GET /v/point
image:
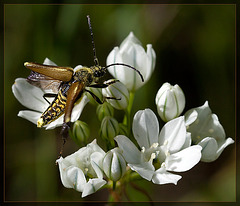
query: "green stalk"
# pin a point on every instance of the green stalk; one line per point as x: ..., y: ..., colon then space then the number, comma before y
x: 127, y: 120
x: 114, y: 185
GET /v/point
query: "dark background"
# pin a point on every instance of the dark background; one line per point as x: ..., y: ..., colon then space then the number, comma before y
x: 195, y: 48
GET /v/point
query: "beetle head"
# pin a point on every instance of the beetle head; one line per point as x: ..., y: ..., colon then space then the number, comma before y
x: 98, y: 71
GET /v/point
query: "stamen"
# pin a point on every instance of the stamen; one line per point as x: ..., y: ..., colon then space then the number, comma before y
x: 154, y: 145
x: 163, y: 165
x: 153, y: 156
x: 165, y: 143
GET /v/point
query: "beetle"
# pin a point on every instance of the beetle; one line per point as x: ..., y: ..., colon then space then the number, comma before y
x: 68, y: 85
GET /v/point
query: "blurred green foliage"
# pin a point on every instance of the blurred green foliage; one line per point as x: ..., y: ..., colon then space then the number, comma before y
x: 195, y: 47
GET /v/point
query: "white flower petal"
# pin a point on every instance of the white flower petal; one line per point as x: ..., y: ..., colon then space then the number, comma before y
x: 30, y: 115
x: 78, y: 108
x: 29, y: 95
x: 92, y: 186
x: 71, y: 176
x: 49, y: 62
x: 188, y: 141
x: 183, y: 160
x: 94, y: 147
x: 76, y: 178
x: 206, y: 125
x: 174, y: 134
x: 190, y: 117
x: 130, y: 152
x: 145, y: 128
x: 161, y: 176
x: 211, y: 150
x: 144, y: 169
x: 96, y: 162
x: 151, y: 61
x: 224, y: 144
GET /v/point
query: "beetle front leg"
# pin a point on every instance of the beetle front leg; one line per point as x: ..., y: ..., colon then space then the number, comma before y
x: 98, y: 100
x: 103, y: 85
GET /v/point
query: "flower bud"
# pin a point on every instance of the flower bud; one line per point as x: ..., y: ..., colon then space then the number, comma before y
x: 123, y: 130
x: 114, y: 165
x: 170, y: 101
x: 132, y: 53
x: 109, y: 129
x: 104, y: 110
x: 80, y: 132
x: 119, y: 91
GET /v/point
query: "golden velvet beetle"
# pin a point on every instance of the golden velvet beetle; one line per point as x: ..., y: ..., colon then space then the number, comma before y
x: 69, y: 85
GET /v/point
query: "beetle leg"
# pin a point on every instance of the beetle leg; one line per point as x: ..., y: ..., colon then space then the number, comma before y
x: 98, y: 100
x: 103, y: 85
x: 49, y: 95
x: 94, y: 97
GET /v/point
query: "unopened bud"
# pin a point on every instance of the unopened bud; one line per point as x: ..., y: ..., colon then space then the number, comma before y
x: 104, y: 110
x: 80, y: 132
x: 170, y: 101
x: 109, y: 129
x: 114, y: 165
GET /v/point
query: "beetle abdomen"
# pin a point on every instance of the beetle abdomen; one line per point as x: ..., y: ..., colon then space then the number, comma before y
x: 56, y: 108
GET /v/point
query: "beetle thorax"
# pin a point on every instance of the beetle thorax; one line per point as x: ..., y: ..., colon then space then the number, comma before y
x: 84, y: 75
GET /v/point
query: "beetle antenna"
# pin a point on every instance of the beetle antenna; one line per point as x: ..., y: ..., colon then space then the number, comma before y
x: 93, y: 44
x: 126, y: 66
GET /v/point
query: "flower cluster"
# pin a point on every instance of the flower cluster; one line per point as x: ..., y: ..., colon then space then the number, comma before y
x: 142, y: 148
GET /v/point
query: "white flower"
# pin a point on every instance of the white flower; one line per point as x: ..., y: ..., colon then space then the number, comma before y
x: 207, y: 132
x: 119, y: 91
x: 114, y: 165
x: 161, y: 153
x: 132, y: 53
x: 32, y: 97
x: 82, y: 170
x: 170, y: 101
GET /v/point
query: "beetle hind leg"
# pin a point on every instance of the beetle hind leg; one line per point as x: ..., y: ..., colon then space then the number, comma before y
x: 47, y: 95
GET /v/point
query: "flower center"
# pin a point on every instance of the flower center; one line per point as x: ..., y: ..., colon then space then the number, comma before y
x: 155, y: 154
x: 150, y: 153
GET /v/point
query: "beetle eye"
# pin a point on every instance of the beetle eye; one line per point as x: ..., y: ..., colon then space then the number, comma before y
x: 96, y: 74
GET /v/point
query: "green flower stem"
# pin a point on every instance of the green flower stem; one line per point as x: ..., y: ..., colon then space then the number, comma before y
x: 114, y: 185
x: 127, y: 120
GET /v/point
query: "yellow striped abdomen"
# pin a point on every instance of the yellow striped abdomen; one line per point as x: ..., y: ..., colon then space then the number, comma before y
x: 55, y: 109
